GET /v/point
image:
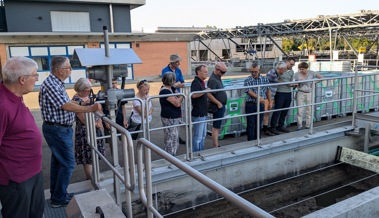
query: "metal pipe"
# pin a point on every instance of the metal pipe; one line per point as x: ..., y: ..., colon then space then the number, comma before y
x: 211, y: 184
x: 111, y: 17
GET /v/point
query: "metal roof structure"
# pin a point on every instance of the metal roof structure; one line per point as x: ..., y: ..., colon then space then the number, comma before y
x: 364, y: 23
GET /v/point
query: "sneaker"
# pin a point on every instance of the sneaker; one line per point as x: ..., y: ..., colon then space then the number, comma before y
x: 283, y: 129
x: 59, y: 204
x: 274, y: 131
x: 268, y: 133
x: 181, y: 141
x: 70, y: 196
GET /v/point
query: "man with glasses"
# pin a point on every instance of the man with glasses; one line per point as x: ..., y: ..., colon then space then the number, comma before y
x: 252, y: 101
x: 58, y: 114
x: 217, y: 100
x: 283, y: 94
x: 173, y: 66
x: 21, y: 179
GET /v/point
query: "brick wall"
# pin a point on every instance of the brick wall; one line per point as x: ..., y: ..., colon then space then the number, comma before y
x: 3, y: 55
x: 156, y: 55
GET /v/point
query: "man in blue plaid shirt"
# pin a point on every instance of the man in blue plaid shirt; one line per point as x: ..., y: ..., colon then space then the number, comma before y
x: 252, y: 100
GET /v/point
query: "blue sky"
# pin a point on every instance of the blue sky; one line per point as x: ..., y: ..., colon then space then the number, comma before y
x: 228, y: 14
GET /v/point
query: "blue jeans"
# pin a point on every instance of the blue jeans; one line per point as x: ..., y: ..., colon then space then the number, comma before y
x: 282, y: 100
x: 62, y: 161
x: 199, y: 133
x: 251, y: 120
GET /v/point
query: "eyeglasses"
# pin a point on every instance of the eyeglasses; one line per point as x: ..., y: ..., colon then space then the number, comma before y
x: 35, y: 75
x: 65, y: 68
x: 223, y: 72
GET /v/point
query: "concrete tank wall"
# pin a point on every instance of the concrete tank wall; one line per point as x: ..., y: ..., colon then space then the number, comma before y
x: 245, y: 166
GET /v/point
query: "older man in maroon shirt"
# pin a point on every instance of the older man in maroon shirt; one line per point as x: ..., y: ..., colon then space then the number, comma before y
x: 21, y: 182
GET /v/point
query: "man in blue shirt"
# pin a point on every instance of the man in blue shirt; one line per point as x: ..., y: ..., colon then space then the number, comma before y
x: 173, y: 66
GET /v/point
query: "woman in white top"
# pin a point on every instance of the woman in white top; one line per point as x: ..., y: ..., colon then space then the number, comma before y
x: 303, y: 95
x: 135, y: 119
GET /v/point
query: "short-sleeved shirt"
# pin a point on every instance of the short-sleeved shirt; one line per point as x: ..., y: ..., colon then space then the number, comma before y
x: 178, y: 74
x: 215, y: 82
x: 251, y: 81
x: 136, y: 117
x: 52, y: 96
x: 168, y: 110
x: 200, y: 104
x: 305, y: 87
x: 20, y: 140
x: 285, y: 77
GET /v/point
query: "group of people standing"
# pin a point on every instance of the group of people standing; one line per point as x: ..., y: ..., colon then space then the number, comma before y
x: 202, y: 103
x: 277, y: 97
x: 21, y: 181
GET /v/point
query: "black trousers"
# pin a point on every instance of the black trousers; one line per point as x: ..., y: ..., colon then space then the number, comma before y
x: 23, y: 200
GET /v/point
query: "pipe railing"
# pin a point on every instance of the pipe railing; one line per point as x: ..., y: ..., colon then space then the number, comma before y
x: 128, y: 179
x: 311, y: 104
x: 127, y: 143
x: 146, y: 196
x: 356, y: 90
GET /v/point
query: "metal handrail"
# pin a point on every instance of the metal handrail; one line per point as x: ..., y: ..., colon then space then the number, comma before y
x: 187, y: 104
x: 129, y: 179
x: 148, y: 129
x: 355, y: 91
x: 146, y: 197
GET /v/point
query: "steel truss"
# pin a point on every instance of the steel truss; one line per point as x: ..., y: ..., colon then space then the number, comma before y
x: 365, y: 23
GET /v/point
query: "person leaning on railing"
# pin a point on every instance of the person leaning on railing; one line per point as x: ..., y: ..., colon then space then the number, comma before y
x: 170, y: 113
x: 135, y: 119
x: 303, y: 95
x: 58, y: 114
x: 83, y: 153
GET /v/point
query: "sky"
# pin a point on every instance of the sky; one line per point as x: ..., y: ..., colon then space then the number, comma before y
x: 229, y: 14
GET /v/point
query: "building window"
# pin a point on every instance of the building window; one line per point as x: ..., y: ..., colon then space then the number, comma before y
x: 43, y: 54
x: 62, y: 21
x: 240, y: 48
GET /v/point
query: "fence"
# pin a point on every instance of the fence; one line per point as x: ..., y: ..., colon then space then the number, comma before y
x: 334, y: 95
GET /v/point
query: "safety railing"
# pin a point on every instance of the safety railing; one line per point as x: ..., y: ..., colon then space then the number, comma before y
x: 146, y: 196
x: 356, y: 90
x: 149, y: 129
x: 188, y: 105
x: 128, y: 179
x: 127, y: 143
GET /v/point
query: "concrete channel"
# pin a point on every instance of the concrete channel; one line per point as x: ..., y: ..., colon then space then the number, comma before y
x: 284, y: 177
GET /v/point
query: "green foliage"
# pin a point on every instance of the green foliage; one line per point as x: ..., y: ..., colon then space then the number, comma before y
x: 323, y: 44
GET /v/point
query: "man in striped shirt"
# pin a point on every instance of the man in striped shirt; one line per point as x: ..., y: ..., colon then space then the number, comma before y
x: 58, y: 114
x: 253, y: 100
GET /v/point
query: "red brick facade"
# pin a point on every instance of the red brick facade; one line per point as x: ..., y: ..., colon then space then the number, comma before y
x: 156, y: 55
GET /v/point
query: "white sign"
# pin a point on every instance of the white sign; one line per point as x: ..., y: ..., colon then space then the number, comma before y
x: 360, y: 58
x: 335, y: 55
